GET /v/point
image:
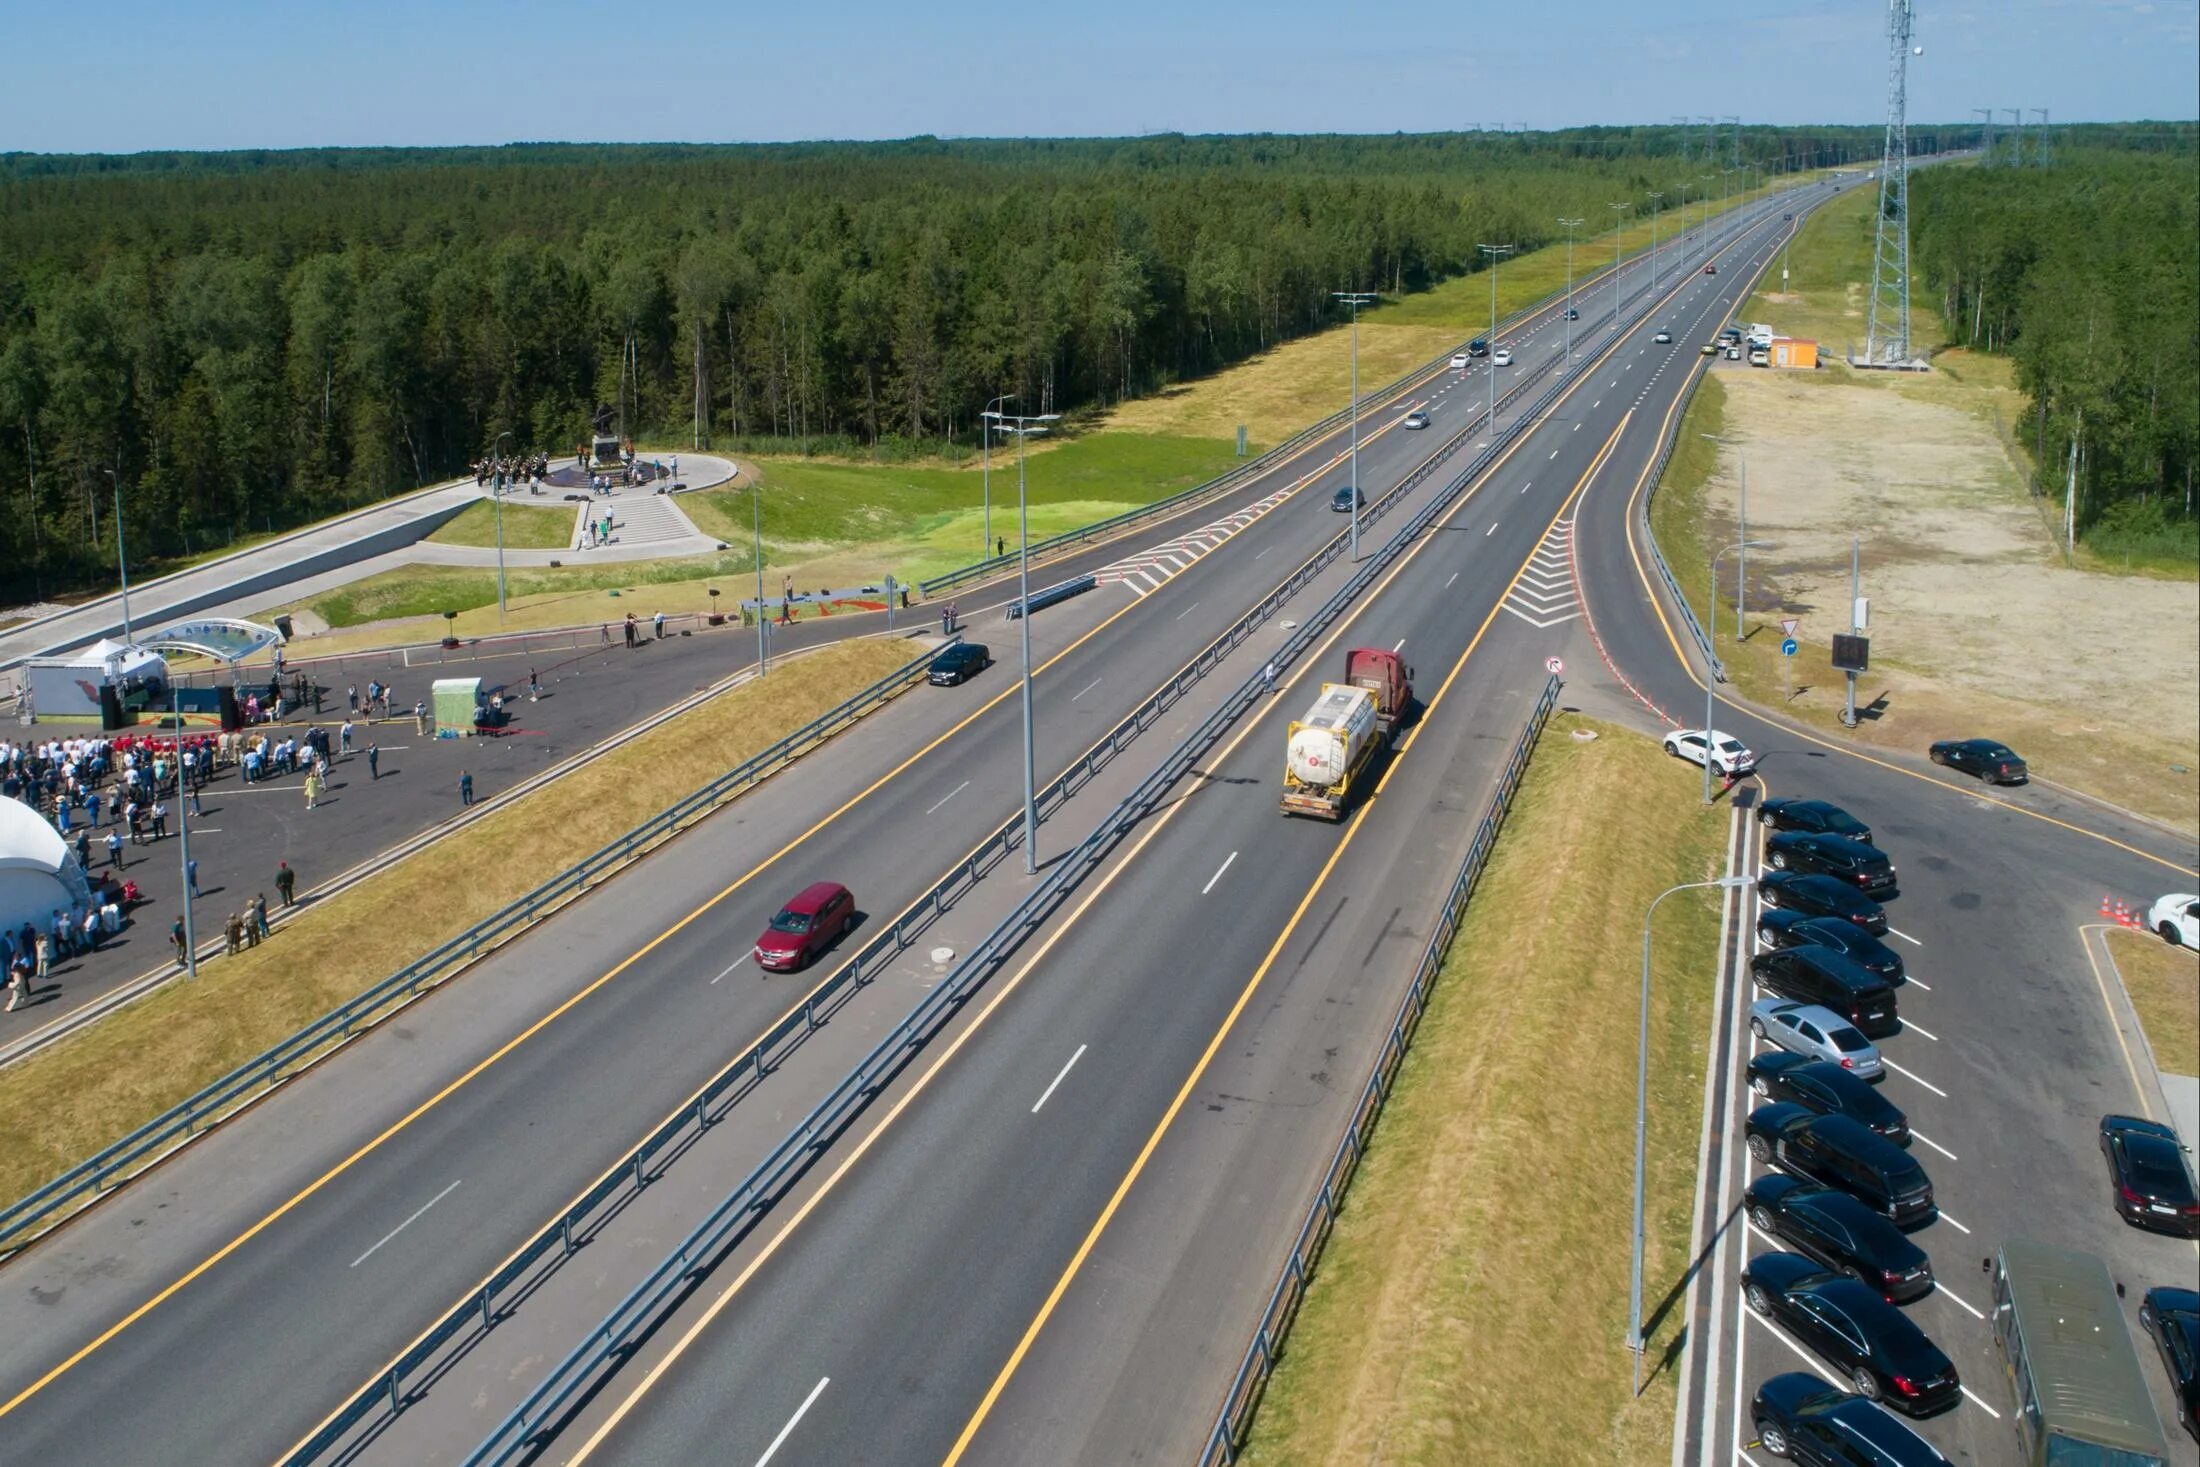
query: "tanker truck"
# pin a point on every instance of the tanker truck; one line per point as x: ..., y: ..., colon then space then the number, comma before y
x: 1329, y: 752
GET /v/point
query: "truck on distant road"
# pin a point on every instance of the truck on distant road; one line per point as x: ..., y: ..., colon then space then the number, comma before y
x: 1328, y: 753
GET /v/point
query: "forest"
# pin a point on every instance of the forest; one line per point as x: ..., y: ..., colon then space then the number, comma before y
x: 243, y: 342
x: 2086, y: 272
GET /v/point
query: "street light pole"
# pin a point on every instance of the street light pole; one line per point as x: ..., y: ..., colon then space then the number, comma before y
x: 1571, y: 226
x: 1355, y: 299
x: 985, y: 429
x: 1025, y: 427
x: 1656, y: 196
x: 1496, y: 253
x: 1711, y: 638
x: 756, y: 553
x: 183, y: 831
x: 1619, y: 210
x: 496, y: 489
x: 122, y: 562
x: 1642, y: 1111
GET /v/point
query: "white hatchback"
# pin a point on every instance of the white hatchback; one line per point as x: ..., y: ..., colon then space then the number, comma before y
x: 1729, y: 755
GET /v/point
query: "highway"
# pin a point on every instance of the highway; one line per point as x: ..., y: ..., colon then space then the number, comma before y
x: 306, y: 1241
x: 1087, y: 1193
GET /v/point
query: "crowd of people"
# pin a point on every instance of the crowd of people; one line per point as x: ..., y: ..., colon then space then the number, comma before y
x: 528, y: 469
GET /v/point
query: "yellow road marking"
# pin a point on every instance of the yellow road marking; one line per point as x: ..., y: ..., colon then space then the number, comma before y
x: 2131, y: 1066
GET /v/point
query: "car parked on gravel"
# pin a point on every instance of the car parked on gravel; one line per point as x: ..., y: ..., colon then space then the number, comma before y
x: 1885, y: 1356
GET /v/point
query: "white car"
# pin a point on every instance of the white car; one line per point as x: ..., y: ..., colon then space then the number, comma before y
x: 1502, y: 357
x: 1729, y: 755
x: 1416, y: 419
x: 1663, y: 338
x: 1459, y: 361
x: 2177, y: 918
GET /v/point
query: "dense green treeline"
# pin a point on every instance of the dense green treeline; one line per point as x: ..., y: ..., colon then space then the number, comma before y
x: 248, y: 341
x: 2087, y: 273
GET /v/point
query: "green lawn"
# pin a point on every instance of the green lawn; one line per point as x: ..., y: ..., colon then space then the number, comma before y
x: 421, y: 590
x: 526, y: 527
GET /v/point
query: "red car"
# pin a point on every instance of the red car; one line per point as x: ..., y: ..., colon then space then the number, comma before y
x: 816, y: 919
x: 1710, y: 269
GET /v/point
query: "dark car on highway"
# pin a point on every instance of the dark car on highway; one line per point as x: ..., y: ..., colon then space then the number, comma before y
x: 1822, y: 896
x: 2171, y: 1318
x: 1989, y: 759
x: 1822, y: 976
x: 804, y: 928
x: 1885, y: 1356
x: 958, y: 664
x: 1341, y: 501
x: 1823, y: 1086
x: 1801, y: 929
x: 1572, y: 314
x: 1479, y: 347
x: 1829, y: 1225
x: 1816, y: 816
x: 2147, y: 1167
x: 1800, y: 1417
x: 1864, y: 867
x: 1845, y: 1153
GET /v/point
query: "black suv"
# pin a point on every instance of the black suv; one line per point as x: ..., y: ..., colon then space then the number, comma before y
x: 1842, y: 1233
x: 1843, y: 1153
x: 1800, y: 1417
x: 958, y: 664
x: 1822, y: 896
x: 1801, y: 929
x: 1884, y: 1355
x: 1815, y: 816
x: 1822, y: 976
x: 1823, y: 1086
x: 1862, y: 866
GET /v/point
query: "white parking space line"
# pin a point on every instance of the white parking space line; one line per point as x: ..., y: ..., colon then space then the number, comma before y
x: 1972, y: 1396
x: 1187, y: 611
x: 1929, y: 1085
x: 1401, y: 646
x: 958, y: 789
x: 1929, y: 1141
x: 1554, y: 453
x: 1808, y: 1359
x: 795, y: 1420
x: 1913, y: 942
x: 1941, y: 1288
x: 1911, y: 978
x: 1490, y: 531
x: 408, y: 1222
x: 1210, y: 886
x: 1073, y: 1059
x: 1264, y: 552
x: 1959, y: 1227
x: 1454, y: 577
x: 1088, y: 687
x: 1909, y: 1024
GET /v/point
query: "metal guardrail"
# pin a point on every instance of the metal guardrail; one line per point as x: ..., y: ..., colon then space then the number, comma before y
x: 1041, y: 600
x: 149, y: 1143
x: 607, y: 1345
x: 1243, y: 1397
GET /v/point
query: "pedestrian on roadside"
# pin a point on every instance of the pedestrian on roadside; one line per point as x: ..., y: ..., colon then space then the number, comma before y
x: 44, y: 949
x: 160, y: 820
x: 255, y: 920
x: 534, y: 687
x: 659, y: 622
x: 343, y: 738
x: 351, y: 699
x: 286, y: 882
x: 114, y: 848
x: 196, y: 785
x: 183, y: 950
x: 191, y: 876
x: 313, y: 786
x: 1000, y: 546
x: 84, y: 850
x: 1268, y: 677
x: 465, y: 788
x: 19, y: 981
x: 374, y: 761
x: 233, y: 935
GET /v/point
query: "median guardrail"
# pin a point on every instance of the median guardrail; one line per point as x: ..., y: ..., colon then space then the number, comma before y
x: 1243, y: 1397
x: 85, y: 1182
x: 647, y: 1304
x: 1041, y: 600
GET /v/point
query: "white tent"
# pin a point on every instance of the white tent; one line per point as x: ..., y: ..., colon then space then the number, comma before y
x: 38, y: 873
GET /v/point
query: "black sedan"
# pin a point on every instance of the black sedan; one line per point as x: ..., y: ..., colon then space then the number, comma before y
x: 1815, y: 816
x: 1800, y: 929
x: 958, y: 664
x: 2171, y: 1318
x: 1989, y: 759
x: 1800, y: 1417
x: 1864, y: 867
x: 1824, y: 1087
x: 1822, y: 896
x: 1342, y: 501
x: 1841, y: 1233
x: 1884, y: 1355
x: 2147, y: 1166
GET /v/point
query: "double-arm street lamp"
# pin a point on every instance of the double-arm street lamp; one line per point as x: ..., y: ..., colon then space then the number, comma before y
x: 1025, y: 427
x: 122, y: 563
x: 496, y: 489
x: 1619, y: 213
x: 985, y: 427
x: 1656, y: 196
x: 1571, y: 226
x: 1354, y: 299
x: 1711, y: 636
x: 1495, y: 252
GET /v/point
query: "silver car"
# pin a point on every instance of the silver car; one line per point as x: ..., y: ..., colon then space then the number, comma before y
x: 1817, y: 1032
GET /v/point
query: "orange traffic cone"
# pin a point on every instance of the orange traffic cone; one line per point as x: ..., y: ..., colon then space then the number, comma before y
x: 2107, y: 915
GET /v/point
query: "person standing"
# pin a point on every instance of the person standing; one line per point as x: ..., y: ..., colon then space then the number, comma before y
x: 44, y: 950
x: 343, y: 738
x: 183, y: 951
x: 191, y: 876
x: 233, y: 935
x: 160, y: 820
x: 658, y: 624
x: 374, y: 761
x: 84, y: 850
x: 1268, y: 677
x: 465, y: 788
x: 255, y: 926
x: 286, y: 882
x: 313, y: 787
x: 351, y: 699
x: 114, y: 849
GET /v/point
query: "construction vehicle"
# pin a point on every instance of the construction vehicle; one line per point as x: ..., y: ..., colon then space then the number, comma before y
x: 1329, y: 753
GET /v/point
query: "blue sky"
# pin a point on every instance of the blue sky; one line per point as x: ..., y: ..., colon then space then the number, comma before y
x: 132, y: 75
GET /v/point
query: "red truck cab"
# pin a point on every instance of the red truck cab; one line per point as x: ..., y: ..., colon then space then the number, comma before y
x: 1386, y: 675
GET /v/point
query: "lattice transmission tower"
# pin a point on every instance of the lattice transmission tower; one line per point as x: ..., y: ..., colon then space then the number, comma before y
x: 1887, y: 327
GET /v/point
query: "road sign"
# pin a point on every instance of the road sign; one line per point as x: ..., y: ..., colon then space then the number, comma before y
x: 1788, y: 624
x: 1851, y: 654
x: 1787, y: 648
x: 1554, y: 665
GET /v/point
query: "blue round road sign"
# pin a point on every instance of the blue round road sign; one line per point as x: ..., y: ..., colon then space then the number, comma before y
x: 1787, y: 648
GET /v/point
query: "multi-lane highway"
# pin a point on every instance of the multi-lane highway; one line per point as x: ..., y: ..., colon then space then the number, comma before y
x: 304, y: 1243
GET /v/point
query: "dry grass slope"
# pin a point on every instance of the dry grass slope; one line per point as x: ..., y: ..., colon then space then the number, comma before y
x: 1471, y: 1272
x: 2164, y: 984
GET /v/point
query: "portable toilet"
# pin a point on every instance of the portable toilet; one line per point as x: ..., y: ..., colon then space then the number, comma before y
x: 456, y: 702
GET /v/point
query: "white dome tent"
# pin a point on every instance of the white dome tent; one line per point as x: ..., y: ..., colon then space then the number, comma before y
x: 38, y: 872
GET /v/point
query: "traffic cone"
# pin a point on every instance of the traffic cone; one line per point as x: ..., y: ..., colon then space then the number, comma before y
x: 2123, y: 915
x: 2107, y: 915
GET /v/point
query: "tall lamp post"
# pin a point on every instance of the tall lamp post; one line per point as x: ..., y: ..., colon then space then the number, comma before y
x: 122, y: 562
x: 985, y: 431
x: 1024, y: 427
x: 1711, y: 635
x: 1705, y: 180
x: 496, y: 490
x: 1495, y: 252
x: 1571, y: 226
x: 1656, y: 196
x: 1642, y: 1111
x: 1619, y: 212
x: 1354, y: 299
x: 756, y: 553
x: 183, y: 831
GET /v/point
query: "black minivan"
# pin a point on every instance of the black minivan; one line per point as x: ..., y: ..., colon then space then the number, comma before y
x: 1822, y: 976
x: 1843, y: 1153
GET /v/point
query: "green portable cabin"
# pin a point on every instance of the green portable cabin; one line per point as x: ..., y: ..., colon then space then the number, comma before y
x: 456, y: 703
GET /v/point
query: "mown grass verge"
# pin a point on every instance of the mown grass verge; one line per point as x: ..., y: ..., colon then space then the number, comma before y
x: 98, y: 1085
x: 526, y: 526
x: 1472, y: 1303
x: 2164, y: 985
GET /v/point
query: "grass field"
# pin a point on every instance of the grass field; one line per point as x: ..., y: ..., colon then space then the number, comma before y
x: 1472, y: 1303
x: 101, y: 1083
x: 526, y: 527
x: 426, y: 591
x: 2164, y: 984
